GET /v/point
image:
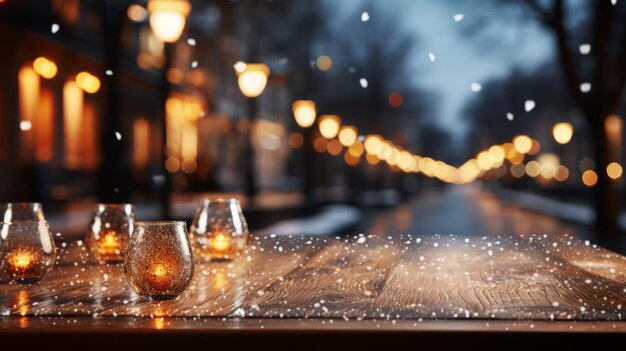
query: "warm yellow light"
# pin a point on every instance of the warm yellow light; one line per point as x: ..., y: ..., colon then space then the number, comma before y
x: 518, y: 170
x: 167, y: 18
x: 304, y: 112
x: 348, y: 135
x: 535, y: 148
x: 73, y: 112
x: 522, y: 144
x: 356, y: 149
x: 136, y: 13
x: 590, y: 178
x: 497, y: 154
x: 329, y: 126
x: 334, y: 147
x: 252, y: 78
x: 88, y: 82
x: 372, y: 159
x: 319, y: 144
x: 324, y: 63
x: 351, y: 159
x: 614, y: 170
x: 45, y: 67
x: 561, y: 174
x: 372, y: 143
x: 563, y: 132
x: 484, y: 161
x: 295, y: 140
x: 221, y: 242
x: 385, y: 150
x: 533, y: 168
x: 547, y: 170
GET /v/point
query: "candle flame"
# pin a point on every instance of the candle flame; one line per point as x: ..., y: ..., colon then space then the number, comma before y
x: 221, y: 242
x: 109, y: 244
x: 21, y: 260
x: 159, y: 271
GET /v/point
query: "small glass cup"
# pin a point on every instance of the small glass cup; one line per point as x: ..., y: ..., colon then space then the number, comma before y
x: 21, y: 211
x: 109, y: 232
x: 159, y: 262
x: 27, y: 250
x: 219, y: 230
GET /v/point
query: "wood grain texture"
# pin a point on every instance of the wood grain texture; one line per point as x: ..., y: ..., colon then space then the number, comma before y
x: 354, y: 279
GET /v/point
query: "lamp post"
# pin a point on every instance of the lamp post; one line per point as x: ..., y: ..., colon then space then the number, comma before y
x: 305, y: 112
x: 252, y: 79
x: 167, y: 20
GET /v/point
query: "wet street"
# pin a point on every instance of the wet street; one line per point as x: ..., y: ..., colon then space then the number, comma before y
x: 464, y: 210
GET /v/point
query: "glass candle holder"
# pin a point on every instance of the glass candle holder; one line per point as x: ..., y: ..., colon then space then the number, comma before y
x: 219, y: 230
x: 159, y: 262
x: 27, y: 250
x: 21, y: 211
x: 109, y: 232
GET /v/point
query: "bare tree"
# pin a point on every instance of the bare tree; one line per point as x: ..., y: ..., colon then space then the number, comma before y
x: 602, y: 25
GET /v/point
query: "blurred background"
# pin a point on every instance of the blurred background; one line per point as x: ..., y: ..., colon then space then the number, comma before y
x: 335, y: 117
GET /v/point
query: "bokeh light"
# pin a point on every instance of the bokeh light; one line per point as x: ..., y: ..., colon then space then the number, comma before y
x: 522, y: 144
x: 395, y: 99
x: 614, y: 170
x: 45, y: 67
x: 329, y: 126
x: 88, y: 82
x: 590, y: 178
x: 563, y: 132
x: 324, y: 63
x: 348, y: 135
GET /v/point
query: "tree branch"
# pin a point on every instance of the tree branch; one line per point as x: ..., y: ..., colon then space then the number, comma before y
x: 572, y: 79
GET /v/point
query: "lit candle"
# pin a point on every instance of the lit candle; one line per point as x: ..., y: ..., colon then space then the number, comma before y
x: 22, y: 263
x: 109, y: 245
x: 221, y: 243
x: 159, y: 276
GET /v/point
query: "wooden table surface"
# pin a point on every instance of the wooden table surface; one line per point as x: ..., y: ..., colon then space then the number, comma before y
x: 529, y: 283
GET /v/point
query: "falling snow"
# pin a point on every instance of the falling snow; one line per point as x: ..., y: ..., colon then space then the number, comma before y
x: 509, y: 116
x: 475, y: 87
x: 363, y: 83
x: 529, y: 105
x: 55, y: 28
x: 585, y: 87
x: 431, y: 56
x: 118, y: 136
x: 584, y: 49
x: 458, y: 17
x: 365, y: 17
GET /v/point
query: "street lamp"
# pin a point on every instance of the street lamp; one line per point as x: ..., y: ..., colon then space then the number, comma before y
x: 252, y: 78
x: 304, y: 112
x: 167, y: 18
x: 563, y: 132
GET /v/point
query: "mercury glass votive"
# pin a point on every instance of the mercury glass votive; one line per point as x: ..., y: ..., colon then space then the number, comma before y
x: 109, y: 232
x: 219, y: 230
x: 21, y: 211
x: 27, y: 250
x: 159, y: 263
